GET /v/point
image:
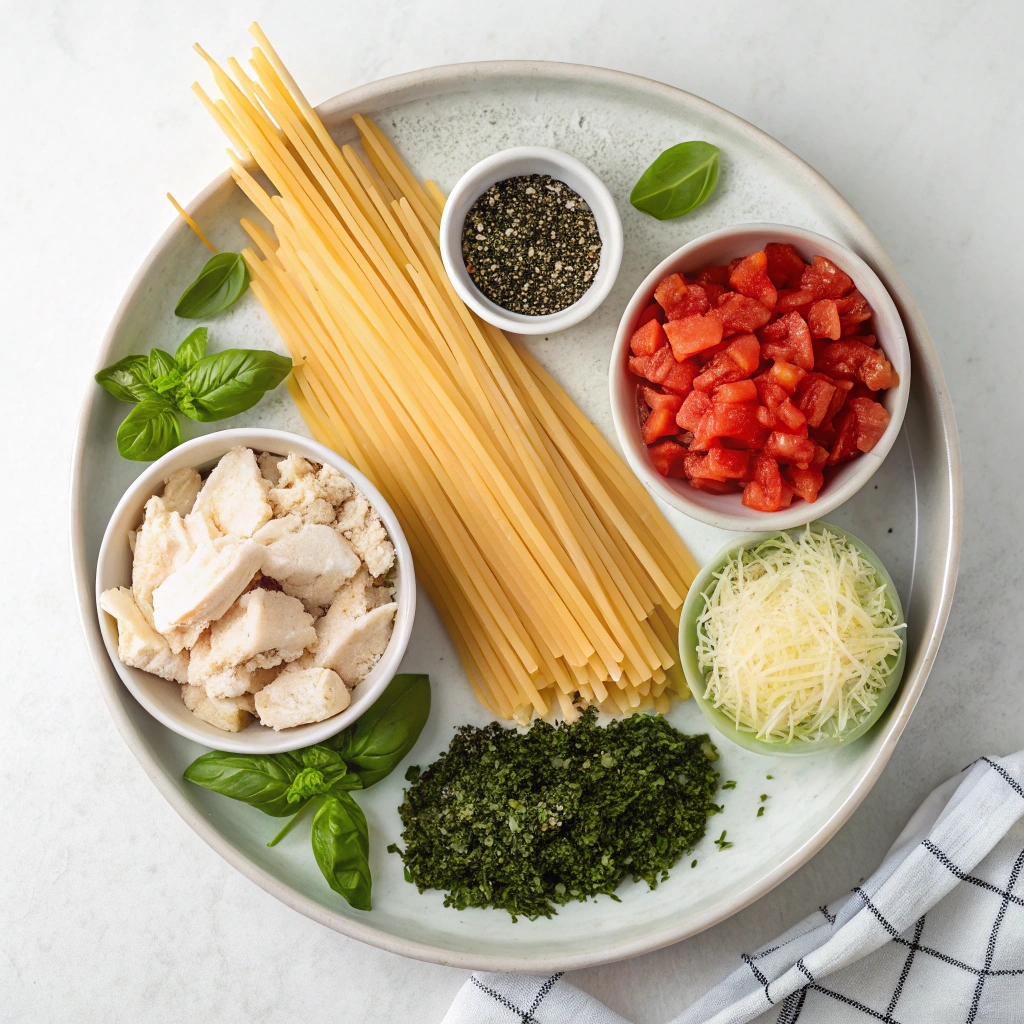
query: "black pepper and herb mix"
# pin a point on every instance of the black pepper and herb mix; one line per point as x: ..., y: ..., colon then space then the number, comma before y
x: 529, y: 821
x: 531, y: 244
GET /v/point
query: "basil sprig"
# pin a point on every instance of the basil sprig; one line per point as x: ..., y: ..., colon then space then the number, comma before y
x: 203, y: 387
x: 220, y: 284
x: 322, y: 777
x: 680, y: 180
x: 375, y: 743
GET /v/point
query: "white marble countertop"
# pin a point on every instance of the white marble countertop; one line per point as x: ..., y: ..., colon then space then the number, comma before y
x: 110, y: 907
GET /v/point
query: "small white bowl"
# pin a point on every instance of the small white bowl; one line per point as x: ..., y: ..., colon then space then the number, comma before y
x: 162, y: 699
x: 727, y: 511
x: 510, y: 163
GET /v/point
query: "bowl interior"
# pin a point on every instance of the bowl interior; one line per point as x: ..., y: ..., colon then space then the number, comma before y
x: 513, y: 163
x: 696, y: 678
x: 162, y: 698
x: 727, y: 511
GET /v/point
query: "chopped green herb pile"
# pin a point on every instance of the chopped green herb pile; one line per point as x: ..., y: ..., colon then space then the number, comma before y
x: 528, y: 821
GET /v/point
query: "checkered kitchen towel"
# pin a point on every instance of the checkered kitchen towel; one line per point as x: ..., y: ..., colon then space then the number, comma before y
x: 935, y: 935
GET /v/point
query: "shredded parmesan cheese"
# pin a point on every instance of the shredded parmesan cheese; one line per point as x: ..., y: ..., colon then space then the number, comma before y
x: 796, y: 638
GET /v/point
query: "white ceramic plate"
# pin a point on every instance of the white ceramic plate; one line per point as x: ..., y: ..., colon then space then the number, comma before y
x: 444, y: 120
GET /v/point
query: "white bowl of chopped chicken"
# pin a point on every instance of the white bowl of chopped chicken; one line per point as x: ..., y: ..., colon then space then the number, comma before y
x: 255, y: 591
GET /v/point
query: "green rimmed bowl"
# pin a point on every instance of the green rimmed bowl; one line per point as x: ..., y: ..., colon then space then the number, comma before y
x: 696, y: 678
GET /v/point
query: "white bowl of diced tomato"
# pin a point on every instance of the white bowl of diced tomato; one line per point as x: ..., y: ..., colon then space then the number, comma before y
x: 759, y: 377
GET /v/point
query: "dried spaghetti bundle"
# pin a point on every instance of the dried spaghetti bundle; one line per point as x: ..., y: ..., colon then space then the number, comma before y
x: 554, y: 571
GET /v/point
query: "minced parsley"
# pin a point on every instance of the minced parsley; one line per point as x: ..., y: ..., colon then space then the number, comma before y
x: 529, y: 821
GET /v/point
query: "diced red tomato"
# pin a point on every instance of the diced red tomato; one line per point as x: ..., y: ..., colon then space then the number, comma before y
x: 718, y: 464
x: 823, y: 319
x: 824, y: 280
x: 850, y: 359
x: 679, y: 378
x: 693, y: 303
x: 843, y: 389
x: 660, y: 423
x: 739, y: 359
x: 668, y: 458
x: 694, y: 406
x: 764, y: 492
x: 714, y: 293
x: 735, y: 421
x: 738, y: 391
x: 696, y: 302
x: 728, y: 463
x: 859, y: 428
x: 786, y: 375
x: 654, y: 367
x: 814, y: 396
x: 785, y: 264
x: 652, y: 312
x: 794, y: 300
x: 788, y: 338
x: 740, y: 313
x: 844, y: 447
x: 659, y: 400
x: 805, y: 482
x: 791, y: 418
x: 745, y: 352
x: 715, y: 486
x: 789, y: 448
x: 647, y: 339
x: 749, y: 277
x: 693, y: 334
x: 853, y: 310
x: 714, y: 275
x: 671, y: 294
x: 772, y: 394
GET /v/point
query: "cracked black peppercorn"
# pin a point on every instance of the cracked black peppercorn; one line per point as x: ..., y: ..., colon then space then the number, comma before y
x: 530, y: 821
x: 531, y: 244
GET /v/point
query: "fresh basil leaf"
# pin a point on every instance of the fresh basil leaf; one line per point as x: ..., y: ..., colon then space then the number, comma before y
x: 220, y: 284
x: 341, y: 845
x: 161, y: 363
x: 230, y: 382
x: 262, y: 781
x: 150, y: 430
x: 338, y: 782
x: 127, y: 379
x: 320, y: 756
x: 309, y: 782
x: 191, y: 350
x: 375, y: 744
x: 680, y: 180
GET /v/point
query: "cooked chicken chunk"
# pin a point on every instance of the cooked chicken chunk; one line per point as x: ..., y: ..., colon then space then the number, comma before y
x: 138, y: 644
x: 229, y: 715
x: 181, y: 489
x: 234, y: 496
x: 301, y: 695
x: 310, y: 561
x: 204, y: 588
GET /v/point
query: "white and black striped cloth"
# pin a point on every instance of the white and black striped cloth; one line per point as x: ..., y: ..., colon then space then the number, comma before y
x: 935, y: 935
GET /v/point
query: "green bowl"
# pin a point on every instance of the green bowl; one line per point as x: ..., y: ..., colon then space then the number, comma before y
x: 697, y: 681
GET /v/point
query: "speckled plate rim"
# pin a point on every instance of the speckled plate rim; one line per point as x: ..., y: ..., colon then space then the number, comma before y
x: 435, y: 81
